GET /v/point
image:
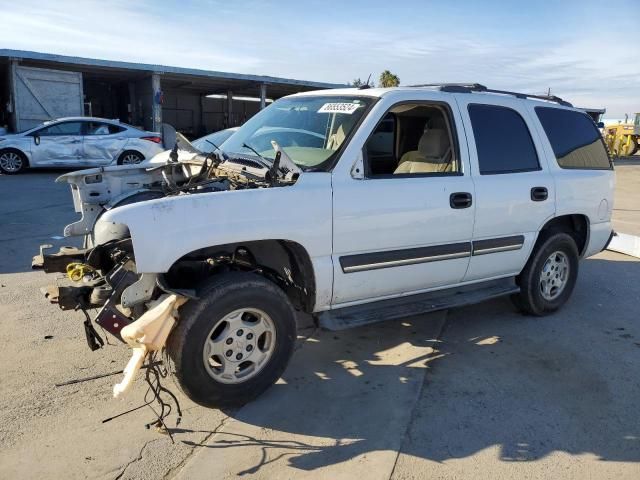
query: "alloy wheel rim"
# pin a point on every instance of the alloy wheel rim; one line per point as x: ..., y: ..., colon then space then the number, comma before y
x: 554, y: 275
x: 10, y: 162
x: 239, y: 345
x: 131, y: 159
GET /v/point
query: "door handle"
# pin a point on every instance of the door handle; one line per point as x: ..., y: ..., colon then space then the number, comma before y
x: 75, y: 141
x: 460, y: 200
x: 539, y: 194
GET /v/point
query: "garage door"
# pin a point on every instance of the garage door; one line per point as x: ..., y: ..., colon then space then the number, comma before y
x: 42, y: 94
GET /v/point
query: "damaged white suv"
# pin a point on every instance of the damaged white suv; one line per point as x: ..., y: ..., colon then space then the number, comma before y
x: 354, y: 205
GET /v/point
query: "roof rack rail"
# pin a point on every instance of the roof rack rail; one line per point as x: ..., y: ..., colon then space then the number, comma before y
x: 477, y: 87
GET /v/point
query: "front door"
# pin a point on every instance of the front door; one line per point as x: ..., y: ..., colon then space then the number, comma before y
x: 59, y: 144
x: 406, y: 226
x: 515, y: 193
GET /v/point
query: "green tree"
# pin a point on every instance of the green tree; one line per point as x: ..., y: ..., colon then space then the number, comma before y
x: 388, y: 79
x: 358, y: 82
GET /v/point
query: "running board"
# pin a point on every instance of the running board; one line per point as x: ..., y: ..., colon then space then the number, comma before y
x: 382, y: 310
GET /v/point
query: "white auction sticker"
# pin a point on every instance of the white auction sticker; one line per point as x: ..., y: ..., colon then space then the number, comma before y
x: 347, y: 108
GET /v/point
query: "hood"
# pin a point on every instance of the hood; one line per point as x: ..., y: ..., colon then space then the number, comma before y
x: 9, y: 136
x: 162, y: 158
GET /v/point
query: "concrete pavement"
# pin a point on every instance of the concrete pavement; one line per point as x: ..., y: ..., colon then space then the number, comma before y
x: 480, y: 392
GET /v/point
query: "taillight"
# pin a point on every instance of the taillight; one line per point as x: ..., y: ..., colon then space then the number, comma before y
x: 153, y: 139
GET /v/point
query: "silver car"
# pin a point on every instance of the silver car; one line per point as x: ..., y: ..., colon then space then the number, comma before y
x: 77, y: 142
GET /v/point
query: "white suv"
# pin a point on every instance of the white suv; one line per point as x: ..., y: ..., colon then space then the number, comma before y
x: 356, y: 206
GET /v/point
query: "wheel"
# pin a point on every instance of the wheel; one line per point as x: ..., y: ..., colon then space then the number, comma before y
x: 130, y: 158
x: 12, y: 161
x: 232, y: 343
x: 548, y: 278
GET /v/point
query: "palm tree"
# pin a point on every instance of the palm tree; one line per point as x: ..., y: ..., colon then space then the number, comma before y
x: 388, y: 79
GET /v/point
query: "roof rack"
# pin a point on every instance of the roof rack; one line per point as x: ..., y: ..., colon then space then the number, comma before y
x: 477, y: 87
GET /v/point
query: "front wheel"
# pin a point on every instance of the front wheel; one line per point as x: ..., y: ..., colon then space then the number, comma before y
x: 12, y: 161
x: 234, y: 342
x: 547, y: 280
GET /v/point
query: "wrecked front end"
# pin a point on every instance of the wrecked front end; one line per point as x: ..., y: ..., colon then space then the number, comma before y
x: 139, y: 309
x: 134, y: 308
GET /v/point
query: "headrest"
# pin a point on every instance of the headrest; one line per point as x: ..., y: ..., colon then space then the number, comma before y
x: 434, y: 143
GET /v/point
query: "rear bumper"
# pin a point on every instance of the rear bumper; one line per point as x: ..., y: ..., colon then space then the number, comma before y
x: 606, y: 245
x: 599, y: 236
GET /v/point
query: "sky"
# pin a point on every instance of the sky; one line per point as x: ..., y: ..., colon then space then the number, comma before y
x: 584, y: 51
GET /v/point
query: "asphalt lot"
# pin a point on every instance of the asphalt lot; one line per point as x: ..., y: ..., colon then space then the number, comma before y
x: 478, y: 392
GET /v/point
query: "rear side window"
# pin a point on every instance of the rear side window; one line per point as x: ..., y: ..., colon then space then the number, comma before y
x: 503, y: 140
x: 99, y: 128
x: 575, y: 140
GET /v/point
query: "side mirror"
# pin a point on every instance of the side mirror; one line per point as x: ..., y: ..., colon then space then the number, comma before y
x: 169, y: 136
x: 600, y: 124
x: 36, y: 139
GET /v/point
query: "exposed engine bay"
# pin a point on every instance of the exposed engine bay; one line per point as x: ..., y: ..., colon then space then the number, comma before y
x: 139, y: 308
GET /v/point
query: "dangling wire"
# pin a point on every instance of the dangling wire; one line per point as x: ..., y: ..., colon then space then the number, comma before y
x: 153, y: 375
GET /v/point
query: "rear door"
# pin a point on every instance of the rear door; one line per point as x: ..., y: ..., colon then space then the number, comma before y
x: 103, y: 142
x: 515, y: 193
x: 59, y: 144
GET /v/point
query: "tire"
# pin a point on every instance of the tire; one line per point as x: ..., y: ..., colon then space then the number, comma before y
x: 201, y: 320
x: 12, y: 161
x: 543, y: 289
x: 130, y: 157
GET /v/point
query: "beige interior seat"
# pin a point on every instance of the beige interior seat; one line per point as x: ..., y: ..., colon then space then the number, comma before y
x: 336, y: 139
x: 433, y: 154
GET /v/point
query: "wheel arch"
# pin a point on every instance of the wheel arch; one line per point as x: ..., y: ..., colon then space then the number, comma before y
x: 284, y: 262
x: 22, y: 153
x: 129, y: 150
x: 576, y: 225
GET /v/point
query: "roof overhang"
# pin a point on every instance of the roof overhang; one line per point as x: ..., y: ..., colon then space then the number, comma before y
x: 205, y: 82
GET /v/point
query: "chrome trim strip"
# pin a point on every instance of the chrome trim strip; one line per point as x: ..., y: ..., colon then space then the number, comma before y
x: 408, y: 261
x: 504, y: 248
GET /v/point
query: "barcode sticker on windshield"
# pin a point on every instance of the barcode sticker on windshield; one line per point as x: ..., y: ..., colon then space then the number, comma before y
x: 347, y: 108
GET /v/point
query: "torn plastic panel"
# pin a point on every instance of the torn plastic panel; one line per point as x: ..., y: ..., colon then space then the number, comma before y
x: 148, y: 333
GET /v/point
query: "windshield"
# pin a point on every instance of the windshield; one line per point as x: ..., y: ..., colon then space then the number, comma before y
x: 204, y: 144
x: 309, y: 129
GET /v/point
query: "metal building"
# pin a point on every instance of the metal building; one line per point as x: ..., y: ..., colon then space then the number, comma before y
x: 39, y: 86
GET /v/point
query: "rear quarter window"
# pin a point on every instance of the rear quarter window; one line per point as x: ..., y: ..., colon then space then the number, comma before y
x: 575, y: 139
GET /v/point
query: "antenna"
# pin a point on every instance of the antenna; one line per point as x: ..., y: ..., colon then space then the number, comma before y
x: 366, y: 85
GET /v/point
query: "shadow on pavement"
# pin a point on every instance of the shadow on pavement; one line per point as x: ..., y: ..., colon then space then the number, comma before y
x: 531, y: 386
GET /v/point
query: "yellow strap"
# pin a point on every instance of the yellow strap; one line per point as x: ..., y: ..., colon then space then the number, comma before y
x: 76, y: 271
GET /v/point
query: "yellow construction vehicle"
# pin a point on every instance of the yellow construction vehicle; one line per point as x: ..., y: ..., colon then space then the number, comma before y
x: 623, y: 139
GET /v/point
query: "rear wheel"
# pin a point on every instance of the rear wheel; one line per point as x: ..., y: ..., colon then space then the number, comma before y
x: 547, y: 280
x: 12, y: 161
x: 130, y: 157
x: 234, y: 342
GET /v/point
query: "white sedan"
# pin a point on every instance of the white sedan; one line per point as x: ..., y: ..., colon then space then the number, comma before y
x: 77, y: 142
